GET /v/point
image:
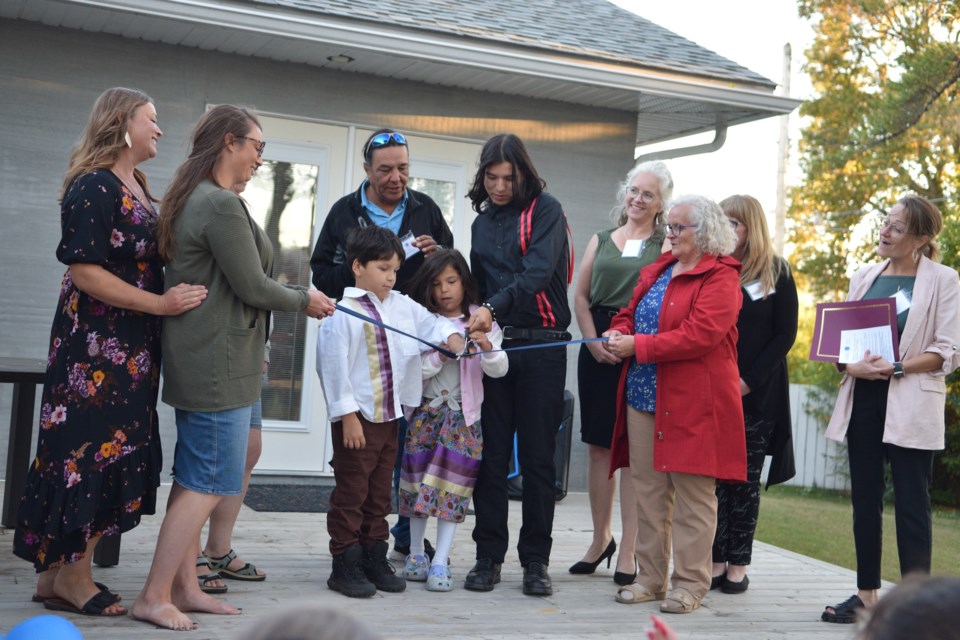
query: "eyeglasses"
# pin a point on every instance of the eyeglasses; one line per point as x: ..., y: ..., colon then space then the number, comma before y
x: 646, y: 197
x: 259, y: 144
x: 382, y: 140
x: 894, y: 229
x: 677, y: 229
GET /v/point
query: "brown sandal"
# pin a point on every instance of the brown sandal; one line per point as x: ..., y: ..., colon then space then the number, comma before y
x: 680, y: 601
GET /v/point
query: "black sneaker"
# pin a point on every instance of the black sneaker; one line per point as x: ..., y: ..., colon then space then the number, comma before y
x: 379, y: 571
x: 536, y: 580
x: 483, y: 576
x: 404, y: 549
x: 348, y: 577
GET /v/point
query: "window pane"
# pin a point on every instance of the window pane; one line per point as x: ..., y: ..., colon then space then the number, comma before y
x: 443, y: 192
x: 282, y: 198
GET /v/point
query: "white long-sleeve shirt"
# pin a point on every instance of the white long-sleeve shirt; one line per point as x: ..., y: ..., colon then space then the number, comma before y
x: 370, y: 369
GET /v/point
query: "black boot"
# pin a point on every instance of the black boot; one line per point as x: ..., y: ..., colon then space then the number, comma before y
x: 348, y: 575
x: 379, y: 571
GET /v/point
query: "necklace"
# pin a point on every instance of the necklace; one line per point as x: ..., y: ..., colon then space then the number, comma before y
x: 137, y: 193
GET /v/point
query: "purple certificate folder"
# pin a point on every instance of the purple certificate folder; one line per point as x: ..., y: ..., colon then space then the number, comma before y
x: 834, y: 317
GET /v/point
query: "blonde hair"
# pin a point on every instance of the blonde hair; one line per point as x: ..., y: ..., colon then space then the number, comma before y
x: 923, y: 219
x: 759, y: 259
x: 103, y: 138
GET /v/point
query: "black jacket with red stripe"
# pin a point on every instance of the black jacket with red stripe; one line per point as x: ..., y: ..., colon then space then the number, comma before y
x: 526, y: 289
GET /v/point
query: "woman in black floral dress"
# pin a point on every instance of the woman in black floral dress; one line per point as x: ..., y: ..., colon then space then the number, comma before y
x: 98, y: 454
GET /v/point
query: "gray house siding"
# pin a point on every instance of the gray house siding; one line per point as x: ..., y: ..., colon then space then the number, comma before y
x: 51, y: 77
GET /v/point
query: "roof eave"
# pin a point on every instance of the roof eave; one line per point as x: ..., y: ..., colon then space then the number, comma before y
x: 456, y: 50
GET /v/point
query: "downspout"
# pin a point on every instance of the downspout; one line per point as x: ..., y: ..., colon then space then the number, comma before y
x: 719, y: 138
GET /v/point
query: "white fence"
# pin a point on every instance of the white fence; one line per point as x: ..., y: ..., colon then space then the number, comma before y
x: 821, y: 463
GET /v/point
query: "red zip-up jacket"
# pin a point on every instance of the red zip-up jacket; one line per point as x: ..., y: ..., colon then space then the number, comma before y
x: 699, y: 416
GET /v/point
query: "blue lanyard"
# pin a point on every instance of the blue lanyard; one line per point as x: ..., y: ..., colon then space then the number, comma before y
x: 457, y: 356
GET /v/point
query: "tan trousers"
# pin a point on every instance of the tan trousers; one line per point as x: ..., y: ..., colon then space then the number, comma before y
x: 672, y: 508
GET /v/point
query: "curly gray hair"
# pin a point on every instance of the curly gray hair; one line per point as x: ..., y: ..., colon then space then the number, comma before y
x: 665, y: 185
x: 713, y: 235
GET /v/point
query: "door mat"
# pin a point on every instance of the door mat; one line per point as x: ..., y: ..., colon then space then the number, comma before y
x: 302, y: 498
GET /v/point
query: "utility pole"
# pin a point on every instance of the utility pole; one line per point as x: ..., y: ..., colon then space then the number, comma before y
x: 783, y: 154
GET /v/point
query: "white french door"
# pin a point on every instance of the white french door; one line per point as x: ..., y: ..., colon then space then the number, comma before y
x: 307, y: 167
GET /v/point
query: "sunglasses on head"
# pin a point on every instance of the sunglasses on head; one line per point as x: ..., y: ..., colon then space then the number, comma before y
x: 382, y: 140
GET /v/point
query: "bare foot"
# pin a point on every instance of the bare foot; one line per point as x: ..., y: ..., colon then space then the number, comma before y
x: 200, y: 602
x: 45, y: 581
x: 163, y: 614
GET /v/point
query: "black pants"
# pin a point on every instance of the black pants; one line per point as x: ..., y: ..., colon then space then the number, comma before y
x: 528, y: 401
x: 738, y: 503
x: 911, y: 470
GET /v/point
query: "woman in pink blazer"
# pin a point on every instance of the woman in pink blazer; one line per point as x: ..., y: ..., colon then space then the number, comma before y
x: 894, y: 411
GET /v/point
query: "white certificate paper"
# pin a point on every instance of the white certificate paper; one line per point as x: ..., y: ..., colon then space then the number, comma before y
x: 855, y: 342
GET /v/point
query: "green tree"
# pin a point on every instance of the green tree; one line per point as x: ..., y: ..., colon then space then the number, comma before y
x: 885, y: 121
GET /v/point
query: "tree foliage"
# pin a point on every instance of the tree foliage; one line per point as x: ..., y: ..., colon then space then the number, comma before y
x: 885, y: 121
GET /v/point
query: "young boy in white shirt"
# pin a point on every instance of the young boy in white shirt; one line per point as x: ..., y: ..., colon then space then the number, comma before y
x: 368, y: 375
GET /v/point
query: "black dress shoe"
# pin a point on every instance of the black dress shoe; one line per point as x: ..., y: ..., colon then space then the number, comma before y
x: 483, y: 576
x: 586, y: 568
x: 536, y: 580
x: 717, y: 581
x: 729, y: 586
x: 623, y: 578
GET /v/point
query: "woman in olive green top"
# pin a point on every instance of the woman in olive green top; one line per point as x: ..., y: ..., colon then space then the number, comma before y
x: 608, y: 273
x: 212, y: 364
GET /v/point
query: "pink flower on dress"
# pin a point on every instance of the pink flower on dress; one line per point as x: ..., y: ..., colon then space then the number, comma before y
x: 73, y: 479
x: 116, y: 238
x: 59, y: 414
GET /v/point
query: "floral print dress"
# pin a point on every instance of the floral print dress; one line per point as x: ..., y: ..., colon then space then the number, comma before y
x: 98, y: 453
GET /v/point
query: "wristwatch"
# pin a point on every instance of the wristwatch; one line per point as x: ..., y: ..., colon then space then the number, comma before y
x: 898, y: 370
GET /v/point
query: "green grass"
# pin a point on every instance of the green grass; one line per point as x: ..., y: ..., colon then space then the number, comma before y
x: 817, y: 523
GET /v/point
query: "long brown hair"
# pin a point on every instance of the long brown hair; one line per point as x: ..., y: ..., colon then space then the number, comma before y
x: 207, y: 143
x: 421, y: 286
x: 527, y: 183
x: 102, y: 139
x: 759, y: 259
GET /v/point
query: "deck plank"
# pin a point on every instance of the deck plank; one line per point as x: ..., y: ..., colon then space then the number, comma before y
x: 787, y: 590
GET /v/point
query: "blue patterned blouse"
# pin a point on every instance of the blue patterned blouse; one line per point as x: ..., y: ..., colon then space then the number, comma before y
x: 642, y: 377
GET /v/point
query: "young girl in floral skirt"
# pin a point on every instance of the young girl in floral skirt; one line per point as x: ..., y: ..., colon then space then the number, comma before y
x: 441, y: 457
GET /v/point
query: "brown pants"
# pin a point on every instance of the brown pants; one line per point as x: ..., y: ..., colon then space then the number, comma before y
x: 673, y: 509
x: 360, y: 502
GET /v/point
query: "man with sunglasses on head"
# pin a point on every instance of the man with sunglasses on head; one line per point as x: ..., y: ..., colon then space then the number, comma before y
x: 382, y: 200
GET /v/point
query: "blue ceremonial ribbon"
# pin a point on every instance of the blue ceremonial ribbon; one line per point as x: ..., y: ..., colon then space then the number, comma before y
x: 457, y: 356
x: 351, y: 312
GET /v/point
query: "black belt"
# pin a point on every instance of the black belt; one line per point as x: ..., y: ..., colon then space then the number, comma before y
x: 607, y: 311
x: 521, y: 333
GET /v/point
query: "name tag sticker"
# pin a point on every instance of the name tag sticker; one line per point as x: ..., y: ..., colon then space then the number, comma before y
x: 632, y: 248
x: 903, y: 300
x: 409, y: 247
x: 755, y: 290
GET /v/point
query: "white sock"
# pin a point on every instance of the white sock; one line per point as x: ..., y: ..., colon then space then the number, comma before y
x: 418, y: 529
x: 445, y: 531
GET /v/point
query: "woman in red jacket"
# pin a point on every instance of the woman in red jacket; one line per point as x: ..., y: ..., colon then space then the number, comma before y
x: 679, y: 423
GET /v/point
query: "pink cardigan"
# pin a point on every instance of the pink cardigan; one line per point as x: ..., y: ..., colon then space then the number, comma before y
x: 915, y: 402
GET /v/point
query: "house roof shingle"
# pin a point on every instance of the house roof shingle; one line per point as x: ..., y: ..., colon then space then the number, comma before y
x: 611, y: 33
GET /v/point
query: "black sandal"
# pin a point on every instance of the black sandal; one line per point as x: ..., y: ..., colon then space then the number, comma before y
x: 845, y: 612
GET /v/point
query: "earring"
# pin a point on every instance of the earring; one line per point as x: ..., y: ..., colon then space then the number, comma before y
x: 126, y: 138
x: 916, y: 256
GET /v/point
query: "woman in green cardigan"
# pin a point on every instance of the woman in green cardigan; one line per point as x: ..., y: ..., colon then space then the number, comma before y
x: 212, y: 365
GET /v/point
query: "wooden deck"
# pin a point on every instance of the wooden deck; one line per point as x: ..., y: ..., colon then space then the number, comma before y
x: 787, y: 591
